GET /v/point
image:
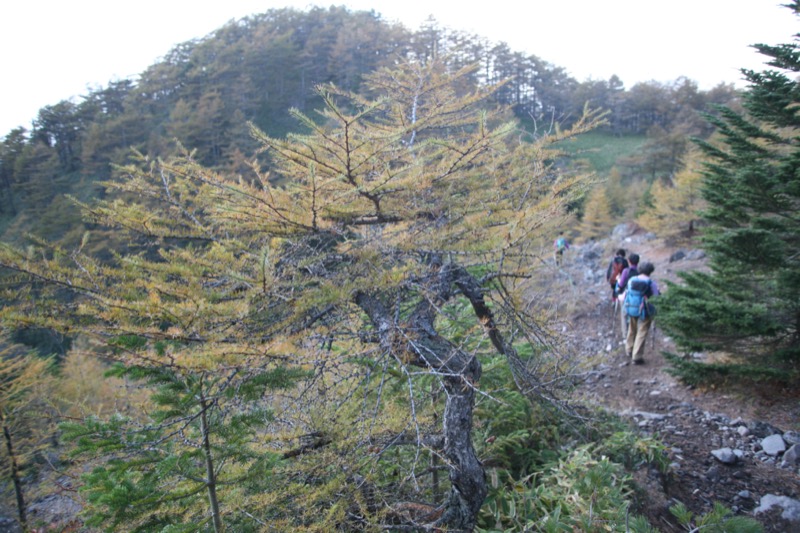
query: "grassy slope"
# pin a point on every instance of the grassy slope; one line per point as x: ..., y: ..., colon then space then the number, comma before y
x: 601, y: 149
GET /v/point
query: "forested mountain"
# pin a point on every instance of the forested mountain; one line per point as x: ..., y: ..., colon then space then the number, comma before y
x: 318, y: 285
x: 204, y: 92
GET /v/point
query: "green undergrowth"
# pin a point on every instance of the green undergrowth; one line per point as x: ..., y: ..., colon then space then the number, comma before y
x: 549, y: 471
x: 719, y: 520
x: 547, y: 474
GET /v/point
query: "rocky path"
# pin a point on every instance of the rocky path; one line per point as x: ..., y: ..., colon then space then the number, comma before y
x: 732, y: 447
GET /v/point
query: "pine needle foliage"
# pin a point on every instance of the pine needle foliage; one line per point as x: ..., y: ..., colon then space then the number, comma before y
x: 159, y: 471
x: 597, y: 217
x: 676, y: 203
x: 331, y: 292
x: 25, y: 420
x: 748, y: 306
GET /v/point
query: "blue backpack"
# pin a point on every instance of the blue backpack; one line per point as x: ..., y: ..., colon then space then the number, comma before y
x: 636, y: 295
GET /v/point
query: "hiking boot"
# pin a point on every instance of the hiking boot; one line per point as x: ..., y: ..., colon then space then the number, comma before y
x: 638, y: 361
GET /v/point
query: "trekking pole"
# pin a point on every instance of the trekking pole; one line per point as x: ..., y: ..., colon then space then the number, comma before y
x: 623, y: 321
x: 653, y: 334
x: 614, y: 319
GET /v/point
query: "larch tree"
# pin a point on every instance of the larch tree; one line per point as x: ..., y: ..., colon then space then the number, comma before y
x: 24, y: 380
x: 748, y: 306
x: 677, y: 203
x: 620, y: 201
x: 597, y: 220
x: 349, y: 292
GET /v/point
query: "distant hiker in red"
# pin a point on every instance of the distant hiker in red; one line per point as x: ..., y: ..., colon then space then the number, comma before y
x: 640, y: 311
x: 559, y: 246
x: 615, y: 268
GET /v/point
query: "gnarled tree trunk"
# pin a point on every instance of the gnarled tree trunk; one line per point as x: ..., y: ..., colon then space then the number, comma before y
x: 422, y: 346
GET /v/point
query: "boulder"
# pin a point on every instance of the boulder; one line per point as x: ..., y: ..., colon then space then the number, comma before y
x: 677, y: 256
x: 725, y: 456
x: 791, y: 437
x: 590, y: 253
x: 624, y: 230
x: 790, y: 507
x: 694, y: 255
x: 773, y: 445
x: 791, y: 458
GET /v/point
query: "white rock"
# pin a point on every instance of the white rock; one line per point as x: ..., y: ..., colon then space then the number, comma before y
x: 725, y: 455
x: 791, y: 507
x: 773, y: 445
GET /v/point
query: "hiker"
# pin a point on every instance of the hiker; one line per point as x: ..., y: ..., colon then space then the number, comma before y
x: 622, y: 282
x: 560, y: 245
x: 640, y: 311
x: 615, y: 268
x: 630, y: 272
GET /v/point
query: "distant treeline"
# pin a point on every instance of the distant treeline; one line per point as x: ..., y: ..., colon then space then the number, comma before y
x: 204, y: 92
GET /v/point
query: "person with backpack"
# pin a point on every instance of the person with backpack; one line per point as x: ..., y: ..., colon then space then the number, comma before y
x: 640, y: 311
x: 630, y: 272
x: 615, y: 268
x: 622, y: 282
x: 560, y: 245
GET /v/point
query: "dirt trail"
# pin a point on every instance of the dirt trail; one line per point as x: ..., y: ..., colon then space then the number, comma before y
x: 690, y: 422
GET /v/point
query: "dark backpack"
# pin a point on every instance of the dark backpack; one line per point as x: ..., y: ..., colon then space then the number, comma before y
x: 636, y: 295
x: 632, y: 273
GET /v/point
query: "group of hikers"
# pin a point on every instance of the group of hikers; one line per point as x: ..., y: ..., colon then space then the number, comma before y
x: 631, y: 289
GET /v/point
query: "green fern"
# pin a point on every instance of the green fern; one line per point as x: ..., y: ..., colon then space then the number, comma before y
x: 719, y: 520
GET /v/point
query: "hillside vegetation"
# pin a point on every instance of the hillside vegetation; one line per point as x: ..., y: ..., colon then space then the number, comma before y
x: 308, y: 251
x: 204, y: 93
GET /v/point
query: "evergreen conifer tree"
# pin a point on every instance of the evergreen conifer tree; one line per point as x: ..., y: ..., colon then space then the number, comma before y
x: 356, y: 259
x: 748, y: 306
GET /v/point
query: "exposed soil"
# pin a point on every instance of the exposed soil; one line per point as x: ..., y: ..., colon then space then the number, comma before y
x: 690, y: 421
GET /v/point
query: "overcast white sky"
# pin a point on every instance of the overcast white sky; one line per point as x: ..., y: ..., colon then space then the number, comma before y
x: 51, y: 50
